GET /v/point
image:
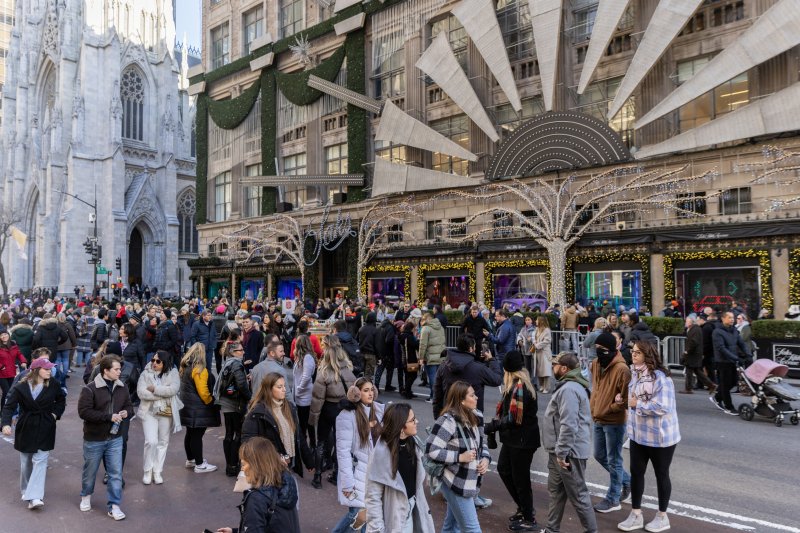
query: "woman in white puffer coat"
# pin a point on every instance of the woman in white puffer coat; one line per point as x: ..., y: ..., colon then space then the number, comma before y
x: 358, y: 428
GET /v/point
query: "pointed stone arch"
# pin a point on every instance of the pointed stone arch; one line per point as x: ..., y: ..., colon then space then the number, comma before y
x: 146, y: 215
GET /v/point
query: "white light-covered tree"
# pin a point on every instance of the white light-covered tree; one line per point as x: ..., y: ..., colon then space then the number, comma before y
x: 780, y: 168
x: 557, y: 212
x: 269, y: 242
x: 380, y: 229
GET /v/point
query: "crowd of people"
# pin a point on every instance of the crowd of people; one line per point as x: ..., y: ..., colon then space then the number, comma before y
x: 297, y: 403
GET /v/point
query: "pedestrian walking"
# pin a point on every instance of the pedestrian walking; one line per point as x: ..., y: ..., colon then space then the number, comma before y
x: 22, y: 335
x: 518, y: 428
x: 132, y: 350
x: 63, y: 355
x: 395, y: 495
x: 432, y: 343
x: 409, y: 360
x: 270, y: 506
x: 271, y: 415
x: 233, y: 395
x: 334, y: 377
x: 159, y: 410
x: 368, y: 344
x: 525, y: 344
x: 542, y: 339
x: 10, y: 355
x: 654, y: 433
x: 457, y: 441
x: 358, y: 427
x: 506, y: 334
x: 566, y: 435
x: 204, y: 331
x: 49, y: 335
x: 610, y: 378
x: 305, y: 366
x: 41, y: 402
x: 103, y: 404
x: 199, y: 411
x: 693, y: 356
x: 729, y: 351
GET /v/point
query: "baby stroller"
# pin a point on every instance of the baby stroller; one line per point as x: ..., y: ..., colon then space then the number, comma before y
x: 770, y: 396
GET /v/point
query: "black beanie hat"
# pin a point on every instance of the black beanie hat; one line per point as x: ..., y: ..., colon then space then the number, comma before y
x: 512, y: 362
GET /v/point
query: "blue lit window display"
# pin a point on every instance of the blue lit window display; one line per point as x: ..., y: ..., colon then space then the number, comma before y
x: 619, y: 287
x: 290, y: 288
x: 719, y: 288
x: 250, y: 289
x: 387, y: 289
x: 518, y: 290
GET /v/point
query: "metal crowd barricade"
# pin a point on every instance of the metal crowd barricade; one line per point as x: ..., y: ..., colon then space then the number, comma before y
x: 451, y: 334
x: 671, y: 349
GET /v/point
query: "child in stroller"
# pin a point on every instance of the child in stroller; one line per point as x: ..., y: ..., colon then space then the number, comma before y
x: 770, y: 395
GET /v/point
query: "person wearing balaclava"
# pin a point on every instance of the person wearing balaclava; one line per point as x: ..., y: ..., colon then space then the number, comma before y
x: 610, y: 378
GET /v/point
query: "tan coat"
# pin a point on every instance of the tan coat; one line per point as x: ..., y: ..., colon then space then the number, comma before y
x: 569, y: 319
x: 606, y: 384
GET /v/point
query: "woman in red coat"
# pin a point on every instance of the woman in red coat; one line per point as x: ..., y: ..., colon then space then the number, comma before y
x: 9, y: 355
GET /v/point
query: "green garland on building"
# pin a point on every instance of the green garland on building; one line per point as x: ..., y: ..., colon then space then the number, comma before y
x: 227, y: 114
x: 294, y: 85
x: 201, y: 169
x: 311, y: 275
x: 356, y: 117
x: 269, y: 131
x: 352, y: 268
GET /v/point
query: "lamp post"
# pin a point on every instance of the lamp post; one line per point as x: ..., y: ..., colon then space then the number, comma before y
x: 94, y: 237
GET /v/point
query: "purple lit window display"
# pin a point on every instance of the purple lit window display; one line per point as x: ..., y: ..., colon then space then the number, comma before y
x: 387, y: 289
x: 447, y: 290
x: 517, y: 290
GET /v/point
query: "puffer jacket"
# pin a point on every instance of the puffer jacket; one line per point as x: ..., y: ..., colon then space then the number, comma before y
x: 10, y: 354
x: 167, y: 388
x: 49, y: 335
x: 22, y: 334
x: 728, y: 345
x: 329, y: 389
x: 353, y: 458
x: 70, y: 341
x: 432, y: 342
x: 196, y: 413
x: 237, y: 404
x: 255, y: 509
x: 260, y: 422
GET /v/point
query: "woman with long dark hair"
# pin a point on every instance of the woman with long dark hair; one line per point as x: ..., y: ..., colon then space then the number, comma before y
x: 199, y: 412
x: 9, y: 356
x: 271, y: 415
x: 358, y: 427
x: 457, y: 441
x: 654, y: 433
x: 395, y: 496
x: 409, y: 345
x: 158, y: 389
x: 270, y: 506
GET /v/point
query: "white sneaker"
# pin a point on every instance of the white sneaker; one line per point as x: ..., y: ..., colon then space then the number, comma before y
x: 157, y: 479
x: 35, y: 504
x: 190, y: 464
x: 148, y: 477
x: 86, y: 503
x: 632, y: 523
x: 659, y: 523
x: 204, y: 468
x: 116, y: 513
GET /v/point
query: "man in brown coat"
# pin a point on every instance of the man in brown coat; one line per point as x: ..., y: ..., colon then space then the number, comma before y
x: 610, y: 378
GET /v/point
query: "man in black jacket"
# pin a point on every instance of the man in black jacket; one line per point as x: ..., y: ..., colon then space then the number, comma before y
x: 708, y: 327
x: 462, y: 364
x: 252, y: 342
x: 693, y: 355
x: 168, y: 338
x: 368, y: 344
x: 103, y: 404
x: 729, y: 350
x: 386, y: 336
x: 49, y: 335
x: 474, y: 324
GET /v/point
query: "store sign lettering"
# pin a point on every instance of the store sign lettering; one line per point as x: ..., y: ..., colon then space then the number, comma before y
x: 787, y: 354
x: 603, y: 242
x: 707, y: 236
x: 328, y: 236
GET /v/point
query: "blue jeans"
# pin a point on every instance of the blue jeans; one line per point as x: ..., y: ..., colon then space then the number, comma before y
x: 344, y: 524
x: 32, y: 474
x: 608, y: 440
x: 111, y: 452
x: 461, y: 516
x: 430, y: 371
x: 62, y: 360
x: 83, y: 356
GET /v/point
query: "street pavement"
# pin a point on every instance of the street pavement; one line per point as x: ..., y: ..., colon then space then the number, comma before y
x: 727, y: 475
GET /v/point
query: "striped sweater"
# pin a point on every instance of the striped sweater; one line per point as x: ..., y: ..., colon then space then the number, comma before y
x: 445, y: 443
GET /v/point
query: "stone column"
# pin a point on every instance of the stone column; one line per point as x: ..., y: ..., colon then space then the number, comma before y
x: 656, y: 280
x: 480, y: 282
x: 411, y: 293
x: 780, y: 281
x: 202, y: 282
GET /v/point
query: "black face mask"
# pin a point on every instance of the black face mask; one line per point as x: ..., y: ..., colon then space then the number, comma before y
x: 605, y: 356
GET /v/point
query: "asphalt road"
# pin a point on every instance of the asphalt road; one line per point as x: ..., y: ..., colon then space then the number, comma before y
x: 727, y: 475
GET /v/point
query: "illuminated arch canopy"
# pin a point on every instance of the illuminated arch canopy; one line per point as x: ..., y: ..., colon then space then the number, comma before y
x: 557, y: 141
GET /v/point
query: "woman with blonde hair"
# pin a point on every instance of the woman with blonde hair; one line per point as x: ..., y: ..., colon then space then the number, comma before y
x: 517, y: 425
x: 334, y: 377
x: 199, y: 412
x: 542, y: 338
x: 305, y: 364
x: 271, y: 415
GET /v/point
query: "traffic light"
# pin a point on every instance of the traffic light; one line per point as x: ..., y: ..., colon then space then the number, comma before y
x: 97, y: 253
x: 88, y: 245
x: 119, y: 264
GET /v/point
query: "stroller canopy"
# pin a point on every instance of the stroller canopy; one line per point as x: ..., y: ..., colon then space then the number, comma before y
x: 761, y: 369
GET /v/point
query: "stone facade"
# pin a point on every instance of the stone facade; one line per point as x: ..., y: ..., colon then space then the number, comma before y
x: 96, y: 106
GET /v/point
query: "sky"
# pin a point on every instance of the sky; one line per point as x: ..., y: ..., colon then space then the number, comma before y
x: 188, y: 20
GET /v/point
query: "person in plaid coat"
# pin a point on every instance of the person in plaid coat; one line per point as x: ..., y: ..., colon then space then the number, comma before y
x: 457, y: 441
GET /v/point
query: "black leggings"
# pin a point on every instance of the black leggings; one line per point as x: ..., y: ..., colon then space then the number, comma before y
x: 5, y: 385
x: 661, y: 459
x: 514, y: 465
x: 233, y: 438
x: 193, y: 444
x: 326, y: 427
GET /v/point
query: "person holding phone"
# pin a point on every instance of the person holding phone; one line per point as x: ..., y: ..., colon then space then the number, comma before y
x: 567, y: 437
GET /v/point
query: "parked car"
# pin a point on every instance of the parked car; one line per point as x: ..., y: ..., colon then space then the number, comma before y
x: 531, y: 298
x: 724, y: 302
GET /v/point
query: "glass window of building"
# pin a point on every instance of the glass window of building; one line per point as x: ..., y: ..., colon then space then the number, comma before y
x: 220, y: 45
x: 187, y: 232
x: 508, y: 120
x: 520, y: 289
x: 394, y: 153
x: 458, y: 227
x: 336, y: 158
x: 132, y: 97
x: 719, y: 287
x: 725, y: 98
x: 252, y: 27
x: 693, y: 202
x: 252, y: 204
x: 295, y: 165
x: 583, y: 21
x: 222, y: 197
x: 515, y: 23
x: 735, y: 201
x: 456, y: 129
x: 596, y: 101
x: 456, y: 34
x: 433, y: 230
x: 291, y: 17
x: 389, y: 78
x: 619, y: 287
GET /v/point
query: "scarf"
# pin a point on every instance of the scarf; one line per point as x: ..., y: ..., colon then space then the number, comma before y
x: 515, y: 404
x: 287, y: 437
x: 643, y: 389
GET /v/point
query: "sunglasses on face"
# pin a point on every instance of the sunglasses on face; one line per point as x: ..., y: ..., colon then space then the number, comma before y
x: 156, y: 361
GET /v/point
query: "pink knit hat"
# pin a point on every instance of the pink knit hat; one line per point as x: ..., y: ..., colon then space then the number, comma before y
x: 220, y: 309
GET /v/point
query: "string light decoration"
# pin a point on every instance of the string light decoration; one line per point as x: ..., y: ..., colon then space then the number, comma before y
x: 780, y: 168
x: 490, y: 266
x: 424, y: 268
x: 405, y: 269
x: 794, y: 276
x: 610, y: 257
x: 381, y: 229
x: 764, y: 263
x: 561, y: 210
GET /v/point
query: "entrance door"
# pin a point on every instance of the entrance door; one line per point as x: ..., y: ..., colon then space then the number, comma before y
x: 135, y: 253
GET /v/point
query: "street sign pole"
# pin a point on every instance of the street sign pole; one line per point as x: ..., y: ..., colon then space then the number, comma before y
x: 108, y: 286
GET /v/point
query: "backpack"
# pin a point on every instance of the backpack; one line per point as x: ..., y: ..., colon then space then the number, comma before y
x: 354, y: 353
x: 227, y: 383
x: 83, y: 327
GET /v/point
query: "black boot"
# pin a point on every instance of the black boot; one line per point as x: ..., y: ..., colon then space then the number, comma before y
x: 317, y: 481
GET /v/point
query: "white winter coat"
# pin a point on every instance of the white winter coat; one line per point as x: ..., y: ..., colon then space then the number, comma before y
x: 352, y: 457
x: 166, y: 389
x: 387, y: 502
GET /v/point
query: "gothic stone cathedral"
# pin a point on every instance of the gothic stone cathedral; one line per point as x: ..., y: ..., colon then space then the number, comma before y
x: 96, y: 106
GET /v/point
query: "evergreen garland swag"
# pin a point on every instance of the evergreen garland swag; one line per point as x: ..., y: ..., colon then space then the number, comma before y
x: 227, y: 114
x: 294, y: 85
